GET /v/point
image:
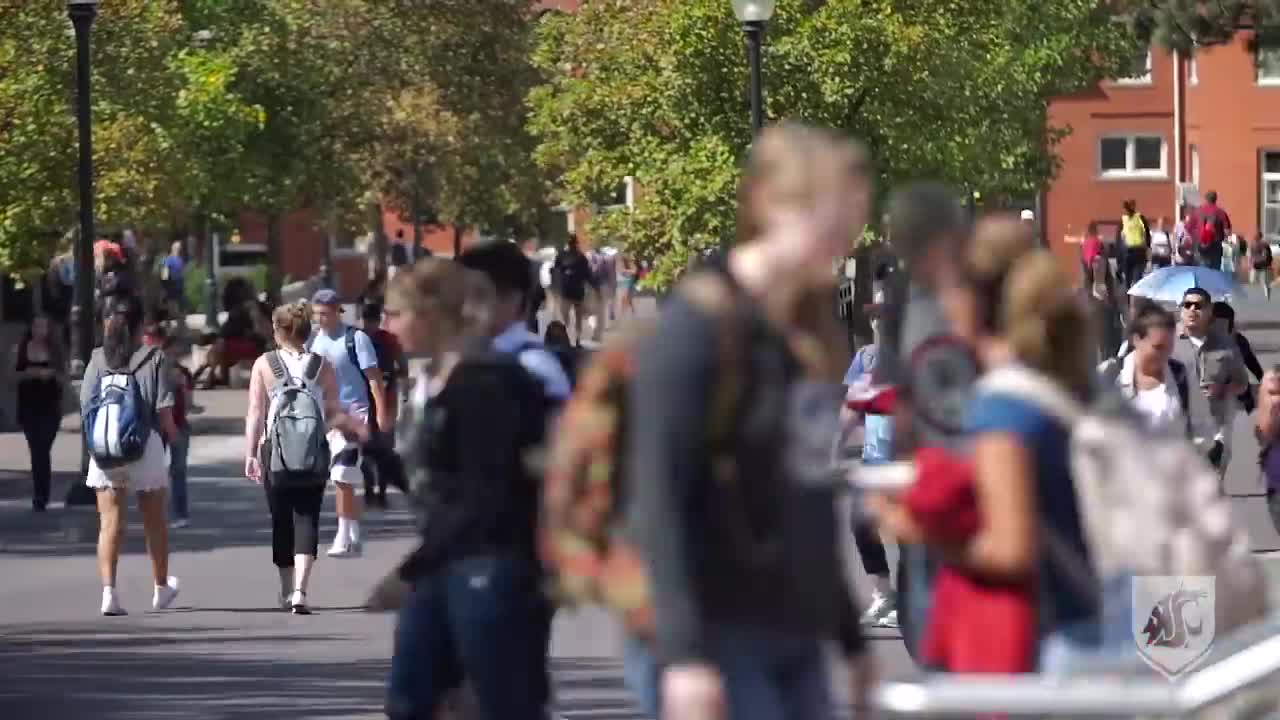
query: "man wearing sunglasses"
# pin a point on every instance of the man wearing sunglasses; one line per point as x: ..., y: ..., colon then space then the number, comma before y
x: 1214, y: 364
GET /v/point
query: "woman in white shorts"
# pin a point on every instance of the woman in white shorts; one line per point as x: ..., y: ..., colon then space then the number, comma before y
x: 124, y: 359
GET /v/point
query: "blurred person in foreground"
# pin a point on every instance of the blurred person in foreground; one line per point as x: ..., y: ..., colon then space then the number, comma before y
x: 984, y: 516
x: 933, y: 368
x: 740, y: 541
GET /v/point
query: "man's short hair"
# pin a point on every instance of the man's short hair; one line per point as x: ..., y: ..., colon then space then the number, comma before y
x: 1199, y: 292
x: 1151, y: 317
x: 325, y: 296
x: 922, y: 215
x: 372, y: 310
x: 504, y: 264
x: 1211, y: 197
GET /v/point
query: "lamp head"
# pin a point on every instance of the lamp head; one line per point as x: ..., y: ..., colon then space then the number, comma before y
x: 754, y: 10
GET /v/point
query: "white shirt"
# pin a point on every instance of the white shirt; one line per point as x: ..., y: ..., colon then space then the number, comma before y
x: 1160, y: 239
x: 1160, y: 405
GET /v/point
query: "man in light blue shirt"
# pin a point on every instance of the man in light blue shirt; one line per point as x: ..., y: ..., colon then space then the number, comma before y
x: 362, y: 394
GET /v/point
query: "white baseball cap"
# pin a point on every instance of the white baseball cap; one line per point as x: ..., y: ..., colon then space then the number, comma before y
x: 1028, y: 215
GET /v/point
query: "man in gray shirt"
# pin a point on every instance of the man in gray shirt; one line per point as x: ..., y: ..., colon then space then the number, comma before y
x: 1214, y: 366
x: 933, y: 370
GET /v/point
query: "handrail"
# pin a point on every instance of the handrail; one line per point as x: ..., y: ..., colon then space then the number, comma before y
x: 1248, y: 658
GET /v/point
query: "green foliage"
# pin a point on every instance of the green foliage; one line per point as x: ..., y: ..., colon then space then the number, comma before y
x: 1185, y: 24
x: 955, y: 90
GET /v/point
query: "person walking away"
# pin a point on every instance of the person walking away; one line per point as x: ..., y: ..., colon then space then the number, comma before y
x: 557, y: 342
x: 736, y: 534
x: 1216, y: 369
x: 1135, y: 236
x: 628, y: 277
x: 1091, y: 248
x: 1232, y: 247
x: 474, y: 576
x: 1224, y: 318
x: 126, y: 401
x: 1161, y: 245
x: 293, y: 405
x: 1260, y: 272
x: 933, y: 368
x: 155, y: 335
x: 573, y: 273
x: 605, y: 281
x: 537, y: 290
x: 1157, y: 385
x: 380, y: 450
x: 987, y: 601
x: 1210, y: 226
x: 1186, y: 244
x: 361, y: 394
x: 40, y: 374
x: 877, y: 448
x: 1107, y: 311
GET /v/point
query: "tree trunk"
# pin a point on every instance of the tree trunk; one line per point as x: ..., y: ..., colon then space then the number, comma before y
x: 417, y: 228
x: 378, y: 268
x: 274, y: 277
x: 326, y: 260
x: 458, y: 229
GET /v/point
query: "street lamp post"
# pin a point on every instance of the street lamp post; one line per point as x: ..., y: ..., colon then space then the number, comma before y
x: 82, y: 13
x: 754, y: 14
x: 201, y: 40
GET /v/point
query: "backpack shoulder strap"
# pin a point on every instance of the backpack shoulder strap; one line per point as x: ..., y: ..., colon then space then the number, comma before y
x: 1179, y: 372
x: 311, y: 371
x: 277, y: 367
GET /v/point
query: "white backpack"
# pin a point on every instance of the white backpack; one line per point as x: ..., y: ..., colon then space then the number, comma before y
x: 1149, y: 504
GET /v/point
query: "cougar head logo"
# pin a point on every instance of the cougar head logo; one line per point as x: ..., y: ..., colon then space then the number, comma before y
x: 1167, y: 625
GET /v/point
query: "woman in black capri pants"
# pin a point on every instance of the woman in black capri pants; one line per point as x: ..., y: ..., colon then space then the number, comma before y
x: 294, y: 502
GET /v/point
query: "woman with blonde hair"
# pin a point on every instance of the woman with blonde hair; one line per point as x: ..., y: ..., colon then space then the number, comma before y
x: 282, y: 380
x: 746, y: 581
x: 1032, y: 335
x: 473, y: 581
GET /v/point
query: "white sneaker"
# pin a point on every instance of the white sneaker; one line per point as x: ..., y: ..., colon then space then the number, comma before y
x: 346, y: 550
x: 890, y: 620
x: 179, y: 524
x: 165, y: 595
x: 111, y: 604
x: 880, y: 603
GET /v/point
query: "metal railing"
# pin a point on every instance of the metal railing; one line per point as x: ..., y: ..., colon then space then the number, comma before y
x: 1241, y: 679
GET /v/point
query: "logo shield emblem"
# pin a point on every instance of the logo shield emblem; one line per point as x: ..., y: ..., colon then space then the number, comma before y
x: 1173, y: 620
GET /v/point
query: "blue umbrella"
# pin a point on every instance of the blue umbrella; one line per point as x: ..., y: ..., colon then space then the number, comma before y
x: 1169, y: 284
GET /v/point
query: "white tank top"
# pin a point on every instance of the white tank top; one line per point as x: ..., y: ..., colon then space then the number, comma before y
x: 295, y: 364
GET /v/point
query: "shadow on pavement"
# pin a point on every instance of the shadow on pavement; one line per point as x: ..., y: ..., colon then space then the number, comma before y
x: 226, y: 511
x: 179, y: 673
x: 136, y: 671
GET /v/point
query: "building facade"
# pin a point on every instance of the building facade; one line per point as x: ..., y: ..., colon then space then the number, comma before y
x: 1188, y: 125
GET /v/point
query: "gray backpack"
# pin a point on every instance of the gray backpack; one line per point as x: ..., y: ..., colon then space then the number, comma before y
x: 298, y: 451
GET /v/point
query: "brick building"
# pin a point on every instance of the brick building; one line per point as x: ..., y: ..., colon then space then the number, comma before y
x: 1186, y: 126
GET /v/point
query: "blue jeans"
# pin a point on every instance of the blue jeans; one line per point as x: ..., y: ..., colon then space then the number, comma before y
x: 178, y: 450
x: 640, y: 669
x: 466, y: 620
x: 771, y: 674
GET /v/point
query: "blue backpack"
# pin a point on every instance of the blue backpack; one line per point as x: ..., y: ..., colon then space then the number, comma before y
x: 118, y: 421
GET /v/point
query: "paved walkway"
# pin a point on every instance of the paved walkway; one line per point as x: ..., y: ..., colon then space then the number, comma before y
x: 226, y: 652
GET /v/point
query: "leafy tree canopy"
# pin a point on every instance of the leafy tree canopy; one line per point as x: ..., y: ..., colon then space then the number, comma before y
x: 1185, y: 24
x: 954, y: 90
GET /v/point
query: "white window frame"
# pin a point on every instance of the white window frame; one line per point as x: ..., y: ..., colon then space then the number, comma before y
x: 629, y: 201
x: 1257, y: 62
x: 1194, y: 152
x: 1263, y: 178
x: 1130, y: 173
x: 1193, y: 70
x: 1144, y: 79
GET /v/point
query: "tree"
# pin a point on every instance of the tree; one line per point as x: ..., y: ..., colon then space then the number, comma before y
x: 132, y: 40
x: 1184, y: 25
x: 956, y: 91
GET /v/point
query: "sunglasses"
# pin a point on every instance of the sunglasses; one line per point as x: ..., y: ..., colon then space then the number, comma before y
x: 1192, y: 305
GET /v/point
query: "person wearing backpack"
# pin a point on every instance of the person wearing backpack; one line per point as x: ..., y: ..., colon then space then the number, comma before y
x: 1260, y: 272
x: 126, y: 402
x: 1210, y: 226
x: 362, y: 394
x: 729, y: 420
x: 293, y: 405
x: 379, y: 458
x: 471, y: 613
x: 573, y: 273
x: 1135, y: 238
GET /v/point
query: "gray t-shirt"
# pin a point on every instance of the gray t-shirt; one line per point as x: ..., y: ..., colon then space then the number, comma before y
x: 153, y: 375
